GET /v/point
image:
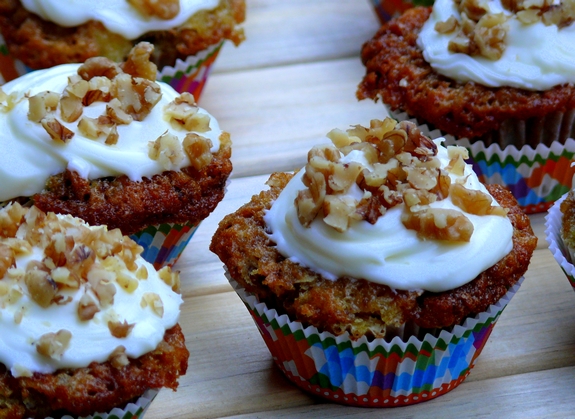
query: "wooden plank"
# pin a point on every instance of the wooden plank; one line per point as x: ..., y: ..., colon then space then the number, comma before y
x: 280, y: 33
x: 535, y: 395
x: 283, y: 112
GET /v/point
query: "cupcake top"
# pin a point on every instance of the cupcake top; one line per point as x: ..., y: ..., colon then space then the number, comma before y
x: 497, y: 43
x: 71, y: 294
x: 98, y: 119
x: 131, y: 19
x: 388, y: 205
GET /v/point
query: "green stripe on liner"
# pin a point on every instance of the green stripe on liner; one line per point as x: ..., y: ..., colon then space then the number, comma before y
x: 496, y: 158
x: 179, y: 74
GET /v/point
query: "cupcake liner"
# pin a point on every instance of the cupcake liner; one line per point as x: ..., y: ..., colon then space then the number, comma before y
x: 134, y: 410
x: 189, y: 75
x: 164, y: 243
x: 388, y: 9
x: 537, y: 177
x: 563, y: 256
x: 376, y: 373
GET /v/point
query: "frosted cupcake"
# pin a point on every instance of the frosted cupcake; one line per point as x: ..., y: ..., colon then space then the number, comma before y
x: 560, y: 233
x: 187, y: 34
x: 376, y: 273
x: 107, y: 143
x: 87, y: 325
x: 497, y: 77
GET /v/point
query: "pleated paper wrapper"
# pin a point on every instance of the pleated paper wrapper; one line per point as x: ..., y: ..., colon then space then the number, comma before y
x: 536, y: 177
x: 135, y: 410
x: 374, y: 373
x: 164, y: 243
x: 562, y: 254
x: 189, y: 75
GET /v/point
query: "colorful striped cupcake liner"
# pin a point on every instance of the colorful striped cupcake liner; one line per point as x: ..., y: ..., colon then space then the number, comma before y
x: 536, y: 177
x: 373, y: 373
x: 553, y: 222
x: 134, y: 410
x: 163, y: 244
x: 191, y: 74
x: 188, y: 75
x: 388, y: 9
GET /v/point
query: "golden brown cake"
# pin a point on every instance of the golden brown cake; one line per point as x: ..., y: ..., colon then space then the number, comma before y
x: 41, y: 43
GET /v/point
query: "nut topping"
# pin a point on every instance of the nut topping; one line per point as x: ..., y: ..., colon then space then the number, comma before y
x: 396, y: 165
x: 53, y: 345
x: 481, y: 33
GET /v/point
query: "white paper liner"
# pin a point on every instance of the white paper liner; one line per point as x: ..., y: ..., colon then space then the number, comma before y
x: 561, y: 253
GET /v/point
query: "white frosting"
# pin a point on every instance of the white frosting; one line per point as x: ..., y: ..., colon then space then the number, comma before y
x: 29, y: 156
x: 117, y: 16
x: 537, y: 57
x: 91, y: 340
x: 387, y: 252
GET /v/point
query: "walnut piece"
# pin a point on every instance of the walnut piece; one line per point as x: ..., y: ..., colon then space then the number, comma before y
x: 439, y: 224
x: 120, y: 329
x: 53, y: 345
x: 164, y: 9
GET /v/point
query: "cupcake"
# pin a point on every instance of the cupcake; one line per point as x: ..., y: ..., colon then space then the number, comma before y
x: 88, y: 325
x: 107, y: 143
x: 494, y: 77
x: 187, y: 34
x: 560, y: 234
x: 376, y: 273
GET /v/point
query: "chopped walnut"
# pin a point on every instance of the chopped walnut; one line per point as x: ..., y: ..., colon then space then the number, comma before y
x: 153, y: 300
x: 71, y: 108
x: 7, y: 259
x: 39, y: 105
x: 41, y: 286
x: 99, y: 66
x: 439, y: 224
x: 474, y: 202
x: 56, y: 130
x: 167, y: 150
x: 198, y: 150
x: 183, y: 113
x: 165, y: 9
x: 118, y: 357
x: 171, y: 278
x: 53, y: 345
x: 120, y: 329
x: 87, y: 307
x: 138, y: 62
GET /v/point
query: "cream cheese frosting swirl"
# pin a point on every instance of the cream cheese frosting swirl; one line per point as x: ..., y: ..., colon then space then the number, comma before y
x: 117, y: 16
x: 29, y: 156
x: 387, y: 252
x: 536, y: 56
x: 27, y: 318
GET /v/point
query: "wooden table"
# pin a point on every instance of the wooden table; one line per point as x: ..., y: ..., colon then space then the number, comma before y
x: 278, y: 94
